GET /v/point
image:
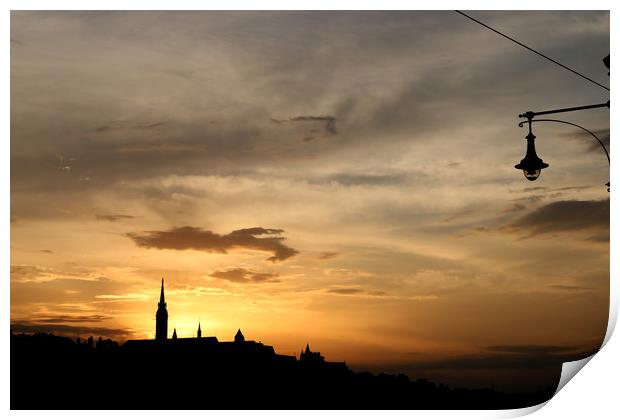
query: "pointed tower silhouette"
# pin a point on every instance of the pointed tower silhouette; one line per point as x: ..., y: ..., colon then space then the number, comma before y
x: 161, y: 317
x: 239, y: 338
x: 199, y: 330
x: 174, y: 334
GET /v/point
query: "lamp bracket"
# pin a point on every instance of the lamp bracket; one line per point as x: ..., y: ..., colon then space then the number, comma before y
x: 531, y: 114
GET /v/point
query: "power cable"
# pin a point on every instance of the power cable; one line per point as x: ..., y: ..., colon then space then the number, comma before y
x: 532, y: 50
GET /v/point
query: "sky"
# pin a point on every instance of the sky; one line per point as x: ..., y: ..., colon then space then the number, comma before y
x: 343, y: 179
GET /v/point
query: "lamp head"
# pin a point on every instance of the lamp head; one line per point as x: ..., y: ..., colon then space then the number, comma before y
x: 531, y: 164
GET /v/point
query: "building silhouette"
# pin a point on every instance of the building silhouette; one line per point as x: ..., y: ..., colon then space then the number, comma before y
x: 311, y: 358
x: 235, y: 353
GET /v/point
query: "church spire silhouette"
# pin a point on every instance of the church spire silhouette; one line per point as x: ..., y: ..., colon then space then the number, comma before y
x: 161, y: 317
x: 199, y: 330
x: 161, y: 294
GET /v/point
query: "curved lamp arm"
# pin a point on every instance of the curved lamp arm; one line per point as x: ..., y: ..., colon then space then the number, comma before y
x: 530, y: 121
x: 574, y: 125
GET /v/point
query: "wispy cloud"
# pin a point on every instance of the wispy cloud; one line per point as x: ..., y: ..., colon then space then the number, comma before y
x: 29, y: 272
x: 589, y: 141
x: 356, y: 291
x: 571, y: 288
x: 530, y: 349
x: 328, y: 255
x: 242, y: 275
x: 329, y: 127
x: 113, y: 217
x: 562, y: 216
x: 62, y: 319
x: 21, y: 326
x: 129, y: 125
x: 330, y: 121
x: 161, y: 147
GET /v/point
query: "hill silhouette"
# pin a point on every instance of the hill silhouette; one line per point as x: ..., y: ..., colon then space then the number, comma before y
x: 55, y: 372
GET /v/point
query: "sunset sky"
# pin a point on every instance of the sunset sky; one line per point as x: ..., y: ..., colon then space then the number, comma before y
x: 344, y: 179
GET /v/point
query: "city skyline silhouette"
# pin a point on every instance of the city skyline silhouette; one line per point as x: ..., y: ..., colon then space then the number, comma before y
x: 339, y: 179
x: 214, y: 374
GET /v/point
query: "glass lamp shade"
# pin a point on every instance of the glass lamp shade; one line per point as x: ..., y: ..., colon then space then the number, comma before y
x: 531, y: 175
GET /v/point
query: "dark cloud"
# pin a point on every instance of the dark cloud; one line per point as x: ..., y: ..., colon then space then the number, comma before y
x: 560, y: 216
x: 355, y: 291
x: 330, y: 121
x: 46, y: 251
x: 188, y: 237
x: 113, y: 217
x: 570, y: 288
x: 533, y: 189
x: 328, y: 255
x: 346, y: 291
x: 242, y: 275
x: 329, y: 128
x: 64, y: 329
x: 528, y: 201
x: 129, y: 125
x: 370, y: 179
x: 530, y: 349
x: 528, y: 189
x: 517, y: 207
x: 602, y: 237
x: 161, y: 147
x: 572, y: 188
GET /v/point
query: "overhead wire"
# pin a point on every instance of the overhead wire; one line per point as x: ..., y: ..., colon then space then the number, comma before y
x: 532, y: 50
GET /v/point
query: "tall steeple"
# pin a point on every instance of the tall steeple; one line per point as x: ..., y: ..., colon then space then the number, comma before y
x: 161, y: 317
x: 161, y: 294
x: 199, y: 331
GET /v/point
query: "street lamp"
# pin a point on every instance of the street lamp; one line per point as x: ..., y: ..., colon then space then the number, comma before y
x: 531, y: 164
